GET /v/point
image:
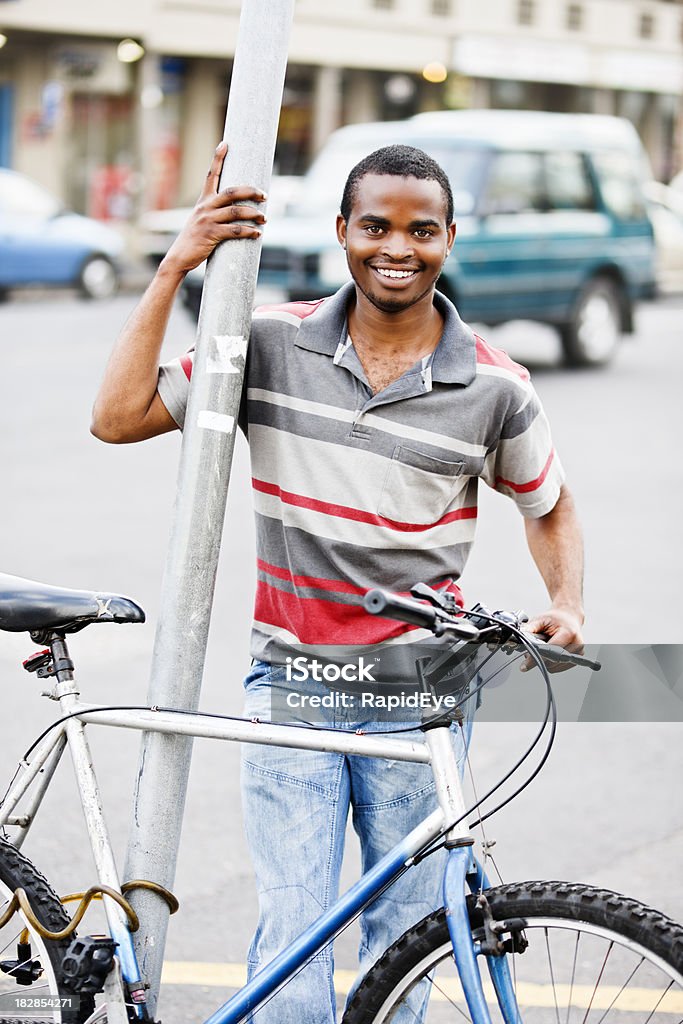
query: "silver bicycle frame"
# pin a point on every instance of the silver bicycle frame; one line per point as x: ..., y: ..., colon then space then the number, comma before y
x: 435, y: 751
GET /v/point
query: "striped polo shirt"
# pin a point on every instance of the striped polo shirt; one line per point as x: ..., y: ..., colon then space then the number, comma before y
x: 354, y: 490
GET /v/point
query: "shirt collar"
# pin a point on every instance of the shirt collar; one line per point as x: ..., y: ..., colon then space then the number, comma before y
x: 454, y: 359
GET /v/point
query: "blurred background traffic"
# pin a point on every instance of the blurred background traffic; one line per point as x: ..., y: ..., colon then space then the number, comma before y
x: 109, y: 113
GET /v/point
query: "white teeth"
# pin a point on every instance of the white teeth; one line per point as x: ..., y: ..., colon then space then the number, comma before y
x: 394, y: 273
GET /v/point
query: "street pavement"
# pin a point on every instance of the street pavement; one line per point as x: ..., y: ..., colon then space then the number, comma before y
x: 608, y: 807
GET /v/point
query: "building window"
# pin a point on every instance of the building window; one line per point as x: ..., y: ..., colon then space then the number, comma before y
x: 574, y: 17
x: 383, y: 5
x: 646, y: 26
x: 442, y: 8
x: 525, y: 12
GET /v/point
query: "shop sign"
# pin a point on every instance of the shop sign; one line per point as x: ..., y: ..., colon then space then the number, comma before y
x: 91, y: 67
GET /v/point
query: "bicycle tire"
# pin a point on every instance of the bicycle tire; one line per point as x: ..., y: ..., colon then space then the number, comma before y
x: 586, y: 984
x: 18, y: 872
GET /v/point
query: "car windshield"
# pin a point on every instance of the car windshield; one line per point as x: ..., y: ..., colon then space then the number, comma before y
x: 19, y: 195
x: 322, y: 186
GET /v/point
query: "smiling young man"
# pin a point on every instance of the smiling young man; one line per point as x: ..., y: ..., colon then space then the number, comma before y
x: 371, y: 416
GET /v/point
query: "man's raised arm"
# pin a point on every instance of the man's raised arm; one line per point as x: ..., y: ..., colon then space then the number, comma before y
x: 128, y: 406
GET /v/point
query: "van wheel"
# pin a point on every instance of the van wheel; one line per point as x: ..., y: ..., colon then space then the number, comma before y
x: 592, y: 335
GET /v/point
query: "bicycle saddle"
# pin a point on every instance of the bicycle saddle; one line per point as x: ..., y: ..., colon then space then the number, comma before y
x: 28, y: 606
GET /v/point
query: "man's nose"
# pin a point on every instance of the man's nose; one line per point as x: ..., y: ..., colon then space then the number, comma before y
x: 398, y: 245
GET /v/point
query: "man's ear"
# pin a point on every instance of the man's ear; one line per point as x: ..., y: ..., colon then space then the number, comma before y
x: 341, y: 230
x: 450, y: 237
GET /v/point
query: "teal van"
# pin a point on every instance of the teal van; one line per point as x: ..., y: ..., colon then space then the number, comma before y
x: 551, y: 218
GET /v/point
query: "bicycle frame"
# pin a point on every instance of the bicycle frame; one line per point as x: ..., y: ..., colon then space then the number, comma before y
x: 447, y: 820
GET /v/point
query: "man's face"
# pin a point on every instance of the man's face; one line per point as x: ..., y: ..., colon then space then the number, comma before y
x: 396, y: 239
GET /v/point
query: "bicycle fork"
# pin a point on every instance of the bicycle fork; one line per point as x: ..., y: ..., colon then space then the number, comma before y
x: 462, y: 871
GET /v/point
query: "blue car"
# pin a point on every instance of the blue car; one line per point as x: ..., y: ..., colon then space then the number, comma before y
x: 41, y: 243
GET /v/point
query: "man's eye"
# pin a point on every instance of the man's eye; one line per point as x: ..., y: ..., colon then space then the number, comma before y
x: 373, y: 229
x: 423, y: 233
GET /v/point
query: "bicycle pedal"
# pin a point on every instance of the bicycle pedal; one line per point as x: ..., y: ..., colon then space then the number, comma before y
x: 87, y: 963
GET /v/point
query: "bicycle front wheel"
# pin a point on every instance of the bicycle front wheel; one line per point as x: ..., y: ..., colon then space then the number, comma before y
x: 30, y: 965
x: 592, y: 957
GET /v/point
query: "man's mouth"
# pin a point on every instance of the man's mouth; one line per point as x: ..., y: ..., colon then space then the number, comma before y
x: 391, y: 274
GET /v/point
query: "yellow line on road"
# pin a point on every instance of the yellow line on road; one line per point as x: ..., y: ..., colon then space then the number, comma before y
x: 637, y: 1000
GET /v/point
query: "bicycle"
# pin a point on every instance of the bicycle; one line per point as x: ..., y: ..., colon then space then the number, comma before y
x: 553, y: 950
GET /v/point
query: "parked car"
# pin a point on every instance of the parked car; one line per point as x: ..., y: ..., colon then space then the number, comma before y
x: 552, y: 221
x: 665, y: 206
x: 42, y: 243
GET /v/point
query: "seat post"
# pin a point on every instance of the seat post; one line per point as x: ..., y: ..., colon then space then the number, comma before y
x: 63, y: 666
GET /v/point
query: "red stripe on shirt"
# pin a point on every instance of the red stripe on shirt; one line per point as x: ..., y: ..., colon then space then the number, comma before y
x: 186, y: 363
x: 356, y: 514
x: 300, y: 309
x: 341, y: 586
x: 531, y: 485
x: 496, y: 357
x: 319, y: 621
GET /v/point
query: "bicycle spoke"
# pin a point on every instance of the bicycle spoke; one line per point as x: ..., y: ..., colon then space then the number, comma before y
x: 573, y: 977
x: 623, y: 987
x: 652, y: 1013
x: 597, y: 983
x: 552, y: 975
x: 11, y: 945
x: 448, y: 999
x: 514, y: 985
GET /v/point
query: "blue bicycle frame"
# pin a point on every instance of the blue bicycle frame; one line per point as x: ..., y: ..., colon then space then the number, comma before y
x: 461, y: 871
x: 460, y: 867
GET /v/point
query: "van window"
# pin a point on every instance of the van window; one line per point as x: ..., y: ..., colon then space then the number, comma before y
x: 568, y: 185
x: 514, y: 185
x: 324, y: 183
x: 620, y: 184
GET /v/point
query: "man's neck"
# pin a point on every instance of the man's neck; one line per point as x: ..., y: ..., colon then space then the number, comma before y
x: 415, y: 330
x: 388, y: 344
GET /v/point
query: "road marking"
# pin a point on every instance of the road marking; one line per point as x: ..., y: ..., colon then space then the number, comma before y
x: 636, y: 1000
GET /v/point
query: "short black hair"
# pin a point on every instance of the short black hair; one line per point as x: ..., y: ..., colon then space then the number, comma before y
x: 403, y: 162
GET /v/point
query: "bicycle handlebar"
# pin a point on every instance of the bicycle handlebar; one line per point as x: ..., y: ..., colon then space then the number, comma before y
x: 438, y: 620
x: 416, y: 613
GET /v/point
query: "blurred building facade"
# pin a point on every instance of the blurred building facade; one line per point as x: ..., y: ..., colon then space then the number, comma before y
x: 117, y: 127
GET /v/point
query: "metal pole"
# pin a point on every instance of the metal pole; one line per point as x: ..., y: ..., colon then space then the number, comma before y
x: 206, y: 456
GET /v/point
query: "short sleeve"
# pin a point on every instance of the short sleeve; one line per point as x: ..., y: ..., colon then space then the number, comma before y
x: 524, y: 464
x: 173, y: 385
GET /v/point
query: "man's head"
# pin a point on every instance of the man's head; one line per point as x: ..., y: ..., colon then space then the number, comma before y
x: 396, y: 227
x: 400, y: 162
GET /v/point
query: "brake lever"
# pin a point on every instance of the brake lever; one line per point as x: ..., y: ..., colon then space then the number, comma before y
x: 446, y: 602
x: 559, y: 654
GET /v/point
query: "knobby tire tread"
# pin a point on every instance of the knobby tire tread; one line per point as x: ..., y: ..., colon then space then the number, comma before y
x: 574, y: 901
x: 17, y: 871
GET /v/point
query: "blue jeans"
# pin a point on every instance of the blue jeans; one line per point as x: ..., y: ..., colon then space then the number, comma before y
x: 296, y: 804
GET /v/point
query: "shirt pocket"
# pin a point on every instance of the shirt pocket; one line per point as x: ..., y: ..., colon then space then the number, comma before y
x: 418, y: 488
